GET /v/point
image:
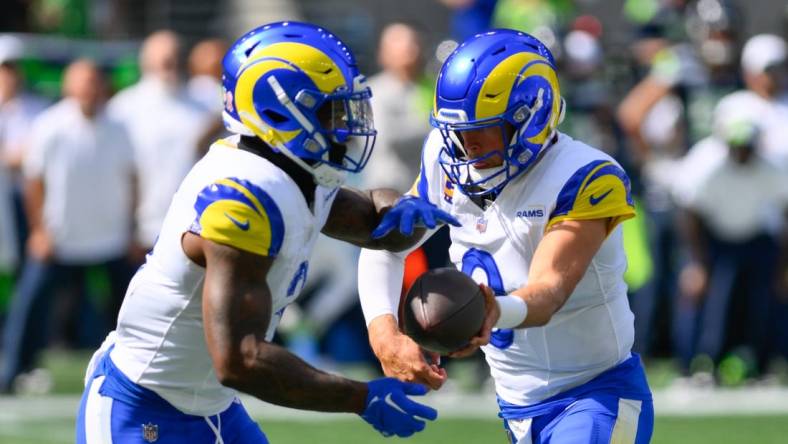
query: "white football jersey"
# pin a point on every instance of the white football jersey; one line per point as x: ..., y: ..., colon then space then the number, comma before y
x: 236, y: 198
x: 594, y: 330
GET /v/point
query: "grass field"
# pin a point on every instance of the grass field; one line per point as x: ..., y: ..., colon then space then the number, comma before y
x: 683, y: 416
x: 668, y: 430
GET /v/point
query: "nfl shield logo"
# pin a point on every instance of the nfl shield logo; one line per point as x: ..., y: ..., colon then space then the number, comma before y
x: 481, y: 225
x: 150, y: 432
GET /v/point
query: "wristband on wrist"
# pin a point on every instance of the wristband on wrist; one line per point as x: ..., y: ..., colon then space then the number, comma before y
x: 513, y: 311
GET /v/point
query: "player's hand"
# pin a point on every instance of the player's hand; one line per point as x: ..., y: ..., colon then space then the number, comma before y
x: 401, y: 357
x: 492, y: 313
x: 40, y: 246
x: 693, y: 281
x: 409, y: 212
x: 389, y: 410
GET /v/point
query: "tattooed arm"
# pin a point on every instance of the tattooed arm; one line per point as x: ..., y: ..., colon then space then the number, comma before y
x: 356, y: 213
x: 236, y: 311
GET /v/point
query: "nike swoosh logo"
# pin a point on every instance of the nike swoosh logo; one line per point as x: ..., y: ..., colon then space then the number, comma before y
x: 242, y: 225
x: 393, y: 404
x: 595, y: 200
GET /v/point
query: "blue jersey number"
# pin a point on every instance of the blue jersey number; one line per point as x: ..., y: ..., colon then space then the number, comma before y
x: 473, y: 259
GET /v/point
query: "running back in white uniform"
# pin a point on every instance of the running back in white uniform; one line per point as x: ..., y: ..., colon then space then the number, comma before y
x: 593, y: 331
x: 235, y: 198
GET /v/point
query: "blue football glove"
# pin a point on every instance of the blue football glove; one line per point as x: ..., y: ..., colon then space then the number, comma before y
x: 391, y: 412
x: 410, y: 211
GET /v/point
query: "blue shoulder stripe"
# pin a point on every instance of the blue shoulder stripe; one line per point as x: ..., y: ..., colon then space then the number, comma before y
x: 568, y: 194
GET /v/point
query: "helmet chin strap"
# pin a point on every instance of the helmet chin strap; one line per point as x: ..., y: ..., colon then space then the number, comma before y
x: 324, y: 174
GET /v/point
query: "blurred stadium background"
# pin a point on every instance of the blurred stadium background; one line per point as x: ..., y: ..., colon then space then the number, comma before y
x: 642, y: 79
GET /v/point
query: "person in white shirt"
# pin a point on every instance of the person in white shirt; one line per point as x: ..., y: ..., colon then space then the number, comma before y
x: 17, y: 111
x: 205, y: 74
x: 736, y: 203
x: 79, y: 194
x: 764, y: 65
x: 165, y: 126
x: 401, y: 105
x: 205, y: 87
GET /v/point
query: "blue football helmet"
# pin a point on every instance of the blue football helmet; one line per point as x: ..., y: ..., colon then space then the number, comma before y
x: 502, y: 78
x: 297, y: 87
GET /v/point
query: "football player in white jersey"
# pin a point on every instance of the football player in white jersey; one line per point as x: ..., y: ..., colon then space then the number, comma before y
x: 540, y: 216
x: 233, y: 252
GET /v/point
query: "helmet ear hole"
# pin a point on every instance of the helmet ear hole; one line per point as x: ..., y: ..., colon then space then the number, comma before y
x: 274, y: 118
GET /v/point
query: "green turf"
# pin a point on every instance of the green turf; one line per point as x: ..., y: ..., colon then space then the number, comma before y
x: 669, y: 430
x: 67, y: 368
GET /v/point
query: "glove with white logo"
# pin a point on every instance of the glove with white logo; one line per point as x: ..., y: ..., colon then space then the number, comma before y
x: 410, y: 211
x: 391, y: 412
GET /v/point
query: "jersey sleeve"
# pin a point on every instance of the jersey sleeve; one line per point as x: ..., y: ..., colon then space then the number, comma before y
x: 240, y: 214
x: 431, y: 182
x: 598, y: 190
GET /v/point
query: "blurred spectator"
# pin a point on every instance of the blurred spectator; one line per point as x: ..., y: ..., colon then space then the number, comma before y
x: 79, y: 196
x: 401, y: 101
x: 165, y: 126
x: 544, y: 19
x: 735, y: 202
x: 205, y: 87
x: 205, y: 74
x: 672, y: 106
x: 17, y: 110
x: 589, y: 98
x: 763, y: 64
x: 9, y: 257
x: 663, y: 114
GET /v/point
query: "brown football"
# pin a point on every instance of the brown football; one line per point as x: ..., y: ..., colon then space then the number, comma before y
x: 443, y: 310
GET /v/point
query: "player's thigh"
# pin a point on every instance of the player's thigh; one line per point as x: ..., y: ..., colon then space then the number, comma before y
x: 94, y: 415
x: 602, y: 419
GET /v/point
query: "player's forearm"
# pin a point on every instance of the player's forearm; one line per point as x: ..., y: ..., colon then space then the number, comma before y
x: 543, y: 300
x: 355, y: 214
x: 236, y: 313
x: 244, y: 361
x: 273, y: 374
x: 559, y: 263
x: 34, y: 203
x: 380, y: 282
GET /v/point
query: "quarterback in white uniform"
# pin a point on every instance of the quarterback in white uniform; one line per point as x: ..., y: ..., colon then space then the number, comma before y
x: 196, y: 324
x: 540, y: 232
